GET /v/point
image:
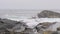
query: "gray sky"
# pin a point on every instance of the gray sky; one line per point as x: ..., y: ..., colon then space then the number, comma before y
x: 29, y: 4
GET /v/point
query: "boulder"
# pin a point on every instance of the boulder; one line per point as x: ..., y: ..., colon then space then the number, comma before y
x: 44, y: 26
x: 29, y: 31
x: 48, y: 14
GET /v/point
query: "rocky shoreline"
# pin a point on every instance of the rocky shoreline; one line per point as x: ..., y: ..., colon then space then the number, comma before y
x: 8, y: 26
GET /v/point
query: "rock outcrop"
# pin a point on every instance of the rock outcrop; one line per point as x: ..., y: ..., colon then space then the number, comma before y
x: 48, y: 14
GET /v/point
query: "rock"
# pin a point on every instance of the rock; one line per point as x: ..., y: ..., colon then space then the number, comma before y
x: 55, y: 32
x: 44, y: 26
x: 48, y: 14
x: 8, y: 21
x: 29, y: 31
x: 19, y: 28
x: 10, y: 25
x: 58, y: 29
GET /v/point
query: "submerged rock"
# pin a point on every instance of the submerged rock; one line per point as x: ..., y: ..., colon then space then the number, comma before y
x: 48, y: 14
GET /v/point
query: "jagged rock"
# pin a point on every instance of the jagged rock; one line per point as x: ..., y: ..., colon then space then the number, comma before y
x: 10, y: 25
x: 9, y: 21
x: 3, y: 30
x: 44, y: 26
x: 29, y: 31
x: 48, y: 14
x: 6, y: 23
x: 19, y: 28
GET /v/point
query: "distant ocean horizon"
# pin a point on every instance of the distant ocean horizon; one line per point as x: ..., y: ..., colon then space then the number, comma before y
x: 19, y: 13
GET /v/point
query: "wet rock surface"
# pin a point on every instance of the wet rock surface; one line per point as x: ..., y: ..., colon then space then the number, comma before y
x: 44, y: 26
x: 29, y: 31
x: 21, y: 27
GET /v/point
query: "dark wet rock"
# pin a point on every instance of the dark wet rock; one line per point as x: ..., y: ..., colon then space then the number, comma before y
x: 43, y: 26
x: 58, y: 29
x: 48, y: 14
x: 6, y: 26
x: 55, y: 32
x: 9, y: 21
x: 19, y: 28
x: 10, y: 25
x: 29, y: 31
x: 3, y: 30
x: 6, y: 23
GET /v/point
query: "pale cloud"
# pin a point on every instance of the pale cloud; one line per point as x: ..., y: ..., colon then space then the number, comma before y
x: 29, y: 4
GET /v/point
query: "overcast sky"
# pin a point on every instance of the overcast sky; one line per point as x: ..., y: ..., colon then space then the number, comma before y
x: 29, y: 4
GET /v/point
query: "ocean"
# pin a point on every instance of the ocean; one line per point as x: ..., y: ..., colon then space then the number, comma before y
x: 17, y: 13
